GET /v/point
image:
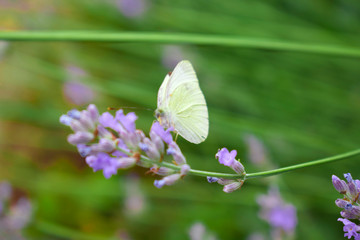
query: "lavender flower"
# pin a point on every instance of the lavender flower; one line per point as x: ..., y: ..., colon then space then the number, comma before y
x: 135, y: 199
x: 231, y: 187
x: 280, y: 215
x: 158, y: 130
x: 74, y: 90
x: 78, y: 93
x: 175, y: 151
x: 110, y: 143
x: 256, y: 150
x: 228, y: 159
x: 171, y: 179
x: 15, y: 216
x: 350, y: 229
x: 350, y: 204
x: 351, y: 191
x: 198, y: 231
x: 131, y: 8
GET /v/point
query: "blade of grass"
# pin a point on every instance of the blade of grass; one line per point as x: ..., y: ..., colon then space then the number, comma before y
x: 181, y: 38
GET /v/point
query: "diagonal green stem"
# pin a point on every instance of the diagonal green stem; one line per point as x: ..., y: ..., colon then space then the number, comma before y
x: 304, y: 165
x: 254, y: 175
x: 181, y: 38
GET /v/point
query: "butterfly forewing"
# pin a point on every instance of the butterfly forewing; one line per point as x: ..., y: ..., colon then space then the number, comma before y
x: 181, y: 97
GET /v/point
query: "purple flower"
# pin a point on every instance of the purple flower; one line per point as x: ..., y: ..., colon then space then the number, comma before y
x: 231, y: 187
x: 104, y: 145
x: 350, y: 228
x: 175, y: 151
x: 134, y: 198
x: 212, y: 179
x: 351, y: 191
x: 103, y: 161
x: 276, y: 212
x: 80, y: 138
x: 283, y: 217
x: 256, y: 150
x: 127, y: 121
x: 107, y: 120
x: 150, y: 149
x: 168, y: 180
x: 162, y: 171
x: 131, y: 8
x: 78, y: 93
x: 171, y: 179
x: 198, y: 231
x: 83, y: 149
x: 14, y: 216
x: 158, y: 130
x: 340, y: 185
x: 19, y: 215
x: 225, y: 157
x: 228, y: 159
x: 110, y: 143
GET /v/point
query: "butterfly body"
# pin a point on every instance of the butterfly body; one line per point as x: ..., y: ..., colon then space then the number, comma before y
x: 181, y: 104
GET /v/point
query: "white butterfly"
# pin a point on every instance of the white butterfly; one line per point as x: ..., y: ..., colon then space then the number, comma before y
x: 181, y: 104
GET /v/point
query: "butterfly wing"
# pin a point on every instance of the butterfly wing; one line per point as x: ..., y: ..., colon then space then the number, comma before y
x: 189, y: 113
x: 186, y: 104
x: 162, y: 98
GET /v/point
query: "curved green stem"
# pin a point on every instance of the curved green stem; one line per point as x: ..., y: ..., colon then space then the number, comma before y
x: 180, y: 38
x: 254, y: 175
x: 304, y: 165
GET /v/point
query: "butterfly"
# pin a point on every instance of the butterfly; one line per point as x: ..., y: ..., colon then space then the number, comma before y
x: 181, y: 104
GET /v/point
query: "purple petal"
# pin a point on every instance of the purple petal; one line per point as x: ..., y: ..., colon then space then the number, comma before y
x: 157, y: 129
x: 127, y: 121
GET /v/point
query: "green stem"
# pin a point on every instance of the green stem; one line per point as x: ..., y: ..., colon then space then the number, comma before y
x: 304, y: 165
x: 253, y: 175
x: 180, y: 38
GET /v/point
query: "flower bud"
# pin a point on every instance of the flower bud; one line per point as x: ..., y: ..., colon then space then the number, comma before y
x: 84, y: 150
x: 93, y: 112
x: 185, y: 169
x: 150, y: 149
x: 162, y: 171
x: 212, y: 179
x: 341, y: 203
x: 74, y: 113
x: 66, y: 120
x: 340, y: 185
x: 229, y: 188
x: 80, y: 137
x: 104, y: 145
x: 126, y: 162
x: 168, y: 180
x: 175, y: 151
x: 224, y: 181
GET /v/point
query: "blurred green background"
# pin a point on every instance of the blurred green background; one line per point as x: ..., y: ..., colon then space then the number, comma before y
x: 302, y: 106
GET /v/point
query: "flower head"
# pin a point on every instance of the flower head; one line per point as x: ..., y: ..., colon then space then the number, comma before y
x: 276, y: 212
x: 351, y: 191
x: 110, y: 143
x: 225, y: 157
x: 350, y: 228
x: 228, y: 159
x: 131, y: 8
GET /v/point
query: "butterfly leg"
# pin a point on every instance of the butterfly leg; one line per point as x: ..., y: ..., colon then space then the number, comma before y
x: 177, y: 134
